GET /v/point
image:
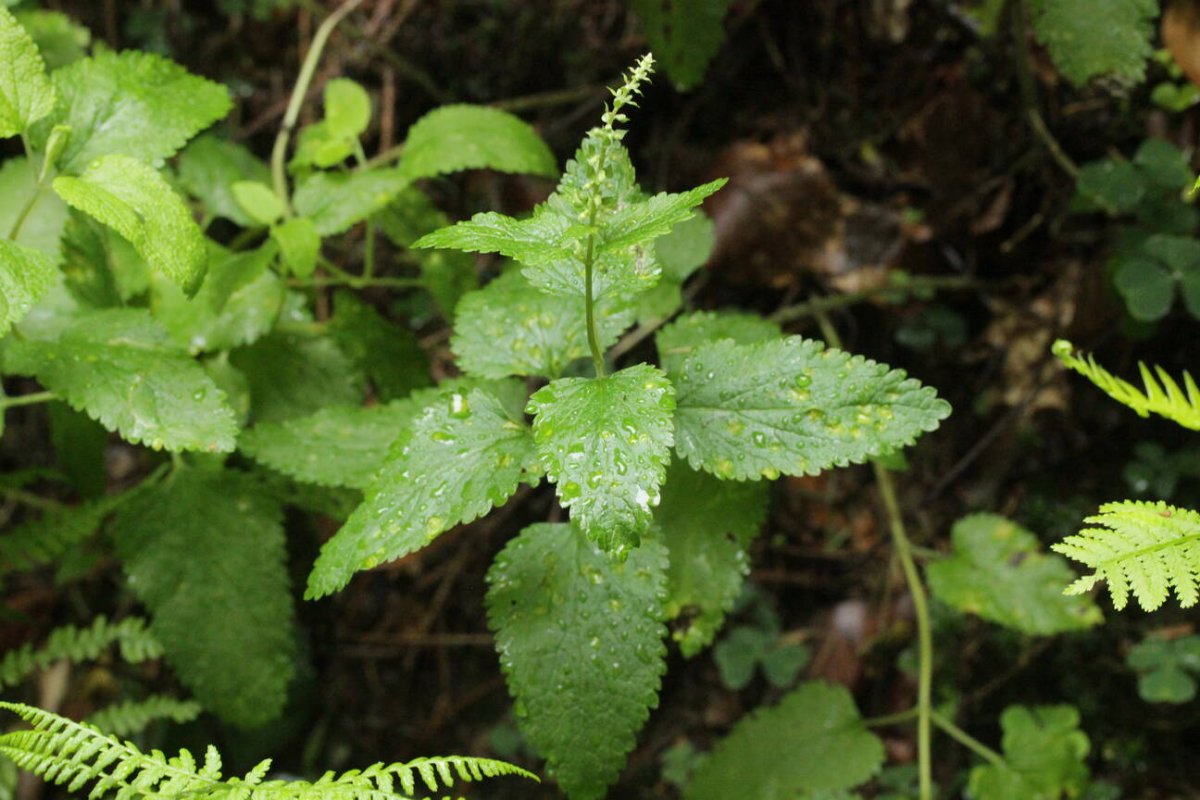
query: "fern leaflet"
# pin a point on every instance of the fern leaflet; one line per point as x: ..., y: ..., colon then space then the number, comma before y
x: 1162, y: 395
x: 1141, y: 547
x: 81, y: 644
x: 75, y: 754
x: 132, y: 716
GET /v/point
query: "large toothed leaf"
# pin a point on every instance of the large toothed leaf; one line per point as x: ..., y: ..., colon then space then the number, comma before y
x: 580, y: 642
x: 1044, y: 753
x: 26, y: 275
x: 1087, y: 39
x: 341, y: 446
x: 684, y: 36
x: 814, y: 740
x: 132, y: 104
x: 998, y: 571
x: 511, y: 328
x: 205, y: 552
x: 385, y: 352
x: 793, y: 407
x: 133, y: 199
x: 605, y: 442
x: 121, y: 368
x: 295, y: 374
x: 458, y: 137
x: 678, y: 340
x: 335, y: 201
x: 706, y: 525
x: 208, y: 168
x: 462, y: 455
x: 26, y: 94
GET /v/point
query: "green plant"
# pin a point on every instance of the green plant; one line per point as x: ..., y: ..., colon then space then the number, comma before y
x: 1088, y: 40
x: 1166, y: 668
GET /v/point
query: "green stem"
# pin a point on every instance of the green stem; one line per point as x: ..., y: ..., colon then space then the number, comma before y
x: 590, y: 304
x: 891, y: 719
x: 307, y: 70
x: 924, y: 631
x: 967, y: 740
x: 26, y: 400
x: 40, y: 190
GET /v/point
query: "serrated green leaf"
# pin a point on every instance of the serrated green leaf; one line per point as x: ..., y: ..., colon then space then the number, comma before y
x: 707, y: 525
x: 237, y: 304
x: 293, y: 375
x: 1088, y: 39
x: 130, y: 104
x: 457, y: 137
x: 258, y: 200
x: 205, y: 552
x: 388, y: 354
x: 60, y: 40
x: 605, y: 444
x: 998, y: 571
x: 120, y: 367
x: 299, y: 245
x: 683, y: 36
x: 26, y: 275
x: 1044, y: 753
x: 580, y: 643
x: 26, y: 94
x: 208, y: 168
x: 347, y: 108
x: 335, y: 201
x: 511, y: 328
x: 135, y: 201
x: 44, y: 222
x: 462, y: 454
x: 813, y: 740
x: 793, y: 407
x: 101, y: 268
x: 343, y: 446
x: 678, y: 340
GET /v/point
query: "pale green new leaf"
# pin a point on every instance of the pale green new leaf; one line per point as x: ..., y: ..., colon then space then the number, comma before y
x: 580, y: 642
x: 294, y: 374
x: 237, y: 304
x: 605, y: 443
x: 458, y: 137
x: 208, y: 168
x: 134, y: 200
x: 26, y: 94
x: 511, y: 328
x: 1087, y: 39
x: 679, y: 339
x: 707, y: 525
x: 299, y: 245
x: 120, y: 367
x: 335, y: 201
x: 26, y: 275
x: 1161, y: 395
x: 1139, y: 547
x: 131, y: 104
x: 683, y: 36
x: 462, y: 454
x: 341, y: 446
x: 997, y: 570
x: 44, y: 223
x: 1044, y: 753
x: 813, y: 740
x: 205, y: 552
x: 793, y: 407
x: 258, y: 200
x: 347, y: 108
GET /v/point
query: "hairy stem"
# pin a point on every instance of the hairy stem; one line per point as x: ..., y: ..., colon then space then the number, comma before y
x: 967, y: 740
x: 307, y: 70
x: 590, y: 304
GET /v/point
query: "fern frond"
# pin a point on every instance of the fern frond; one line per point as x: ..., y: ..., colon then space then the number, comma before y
x: 132, y: 716
x: 75, y: 754
x: 1144, y: 548
x: 81, y: 644
x: 1162, y: 394
x: 44, y: 539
